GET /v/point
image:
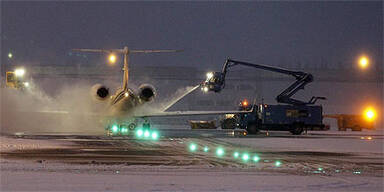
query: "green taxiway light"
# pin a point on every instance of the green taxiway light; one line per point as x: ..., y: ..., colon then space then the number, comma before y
x: 192, y: 147
x: 245, y: 157
x: 146, y: 133
x: 256, y: 158
x: 320, y: 169
x: 124, y: 130
x: 115, y: 128
x: 220, y: 152
x: 236, y: 155
x: 154, y: 135
x: 206, y: 149
x: 277, y: 163
x: 139, y: 133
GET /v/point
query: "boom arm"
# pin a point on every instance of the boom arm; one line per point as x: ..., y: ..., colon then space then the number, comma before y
x: 216, y: 81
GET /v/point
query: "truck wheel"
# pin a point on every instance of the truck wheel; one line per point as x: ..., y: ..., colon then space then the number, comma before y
x: 297, y: 129
x: 252, y: 128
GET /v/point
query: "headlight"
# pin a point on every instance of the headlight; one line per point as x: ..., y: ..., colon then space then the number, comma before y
x: 19, y: 72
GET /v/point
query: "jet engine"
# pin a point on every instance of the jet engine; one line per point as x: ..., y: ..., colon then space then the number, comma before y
x: 147, y: 92
x: 100, y: 92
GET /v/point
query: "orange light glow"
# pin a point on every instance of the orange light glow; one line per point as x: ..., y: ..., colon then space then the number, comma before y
x: 112, y: 58
x: 245, y: 103
x: 369, y: 114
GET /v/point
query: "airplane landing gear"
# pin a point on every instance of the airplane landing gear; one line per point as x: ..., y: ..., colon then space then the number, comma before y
x: 146, y: 125
x: 132, y: 126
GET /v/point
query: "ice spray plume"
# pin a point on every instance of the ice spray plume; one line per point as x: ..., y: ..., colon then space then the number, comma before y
x: 32, y: 111
x: 178, y: 97
x: 162, y: 106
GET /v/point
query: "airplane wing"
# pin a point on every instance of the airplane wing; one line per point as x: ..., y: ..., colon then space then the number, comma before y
x: 122, y: 50
x: 155, y: 51
x: 52, y: 112
x: 188, y: 113
x: 159, y: 114
x: 66, y: 113
x: 92, y: 50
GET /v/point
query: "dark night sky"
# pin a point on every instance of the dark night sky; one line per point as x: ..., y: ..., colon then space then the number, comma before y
x: 276, y: 33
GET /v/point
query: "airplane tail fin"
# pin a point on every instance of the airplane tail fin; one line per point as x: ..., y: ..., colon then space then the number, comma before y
x: 126, y: 52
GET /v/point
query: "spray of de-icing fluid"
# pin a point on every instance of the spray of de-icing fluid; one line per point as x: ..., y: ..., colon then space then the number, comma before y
x: 71, y: 110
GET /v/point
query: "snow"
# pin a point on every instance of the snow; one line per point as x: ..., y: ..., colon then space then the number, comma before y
x: 343, y: 145
x: 26, y: 175
x: 10, y: 144
x: 149, y: 179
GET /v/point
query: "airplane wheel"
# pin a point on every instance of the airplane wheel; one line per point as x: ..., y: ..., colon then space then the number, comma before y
x: 132, y: 126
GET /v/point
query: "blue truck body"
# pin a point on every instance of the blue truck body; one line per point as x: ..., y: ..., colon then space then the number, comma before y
x: 289, y: 114
x: 293, y: 118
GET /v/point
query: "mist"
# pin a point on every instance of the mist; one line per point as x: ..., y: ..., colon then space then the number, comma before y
x: 179, y: 94
x: 72, y: 109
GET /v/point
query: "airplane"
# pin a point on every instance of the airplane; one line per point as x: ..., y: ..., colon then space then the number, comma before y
x: 125, y: 114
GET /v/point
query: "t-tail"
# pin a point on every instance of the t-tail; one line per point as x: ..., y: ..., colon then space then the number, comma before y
x: 125, y: 51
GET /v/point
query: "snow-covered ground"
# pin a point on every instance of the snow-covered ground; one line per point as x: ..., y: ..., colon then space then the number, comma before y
x: 163, y: 179
x: 316, y: 162
x: 321, y: 141
x: 11, y: 144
